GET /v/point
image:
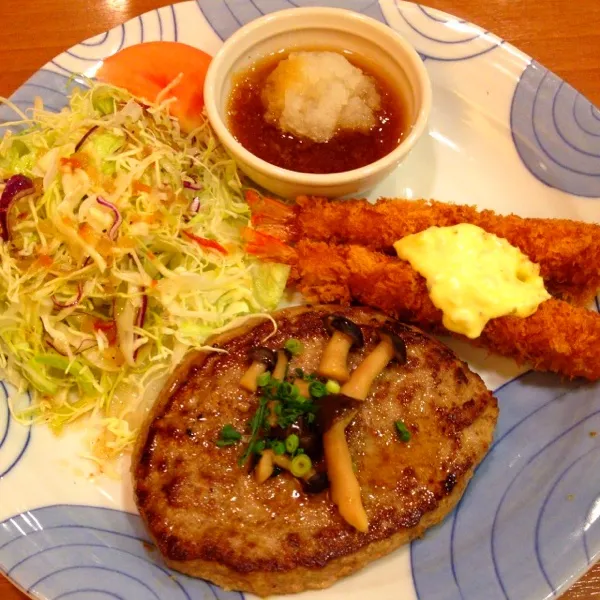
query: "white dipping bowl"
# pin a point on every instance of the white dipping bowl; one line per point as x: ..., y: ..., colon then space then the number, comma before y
x: 318, y: 28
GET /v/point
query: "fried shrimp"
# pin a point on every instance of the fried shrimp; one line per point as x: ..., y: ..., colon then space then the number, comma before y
x: 558, y: 337
x: 568, y: 252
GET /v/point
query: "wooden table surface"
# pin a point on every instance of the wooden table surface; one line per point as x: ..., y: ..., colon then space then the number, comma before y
x: 561, y: 34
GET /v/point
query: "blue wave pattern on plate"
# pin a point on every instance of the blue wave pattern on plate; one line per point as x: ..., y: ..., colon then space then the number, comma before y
x: 14, y: 437
x: 88, y: 552
x: 228, y: 16
x: 50, y: 86
x: 90, y: 52
x: 436, y: 35
x: 499, y: 543
x: 556, y: 132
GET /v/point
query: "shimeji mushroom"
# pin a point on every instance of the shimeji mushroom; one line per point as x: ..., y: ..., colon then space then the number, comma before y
x: 279, y: 372
x: 315, y: 483
x: 344, y: 335
x: 263, y: 359
x: 265, y: 466
x: 390, y: 346
x: 283, y: 359
x: 336, y: 413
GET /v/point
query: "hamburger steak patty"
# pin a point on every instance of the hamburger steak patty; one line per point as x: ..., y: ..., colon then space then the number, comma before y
x: 211, y: 519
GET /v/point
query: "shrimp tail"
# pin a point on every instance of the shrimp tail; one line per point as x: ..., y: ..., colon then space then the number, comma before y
x: 273, y: 217
x: 268, y: 247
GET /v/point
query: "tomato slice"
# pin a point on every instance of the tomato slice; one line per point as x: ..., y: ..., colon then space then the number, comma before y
x: 147, y: 69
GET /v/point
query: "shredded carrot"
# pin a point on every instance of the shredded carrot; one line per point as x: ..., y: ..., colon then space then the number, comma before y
x: 87, y: 233
x: 105, y: 246
x: 149, y: 218
x: 204, y: 242
x: 43, y: 260
x: 138, y: 187
x: 109, y: 328
x: 79, y: 160
x: 127, y: 242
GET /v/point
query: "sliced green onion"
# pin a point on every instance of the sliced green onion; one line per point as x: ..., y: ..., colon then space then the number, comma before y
x: 332, y: 387
x: 294, y: 346
x: 263, y: 379
x: 292, y: 442
x: 229, y: 436
x: 258, y: 447
x: 317, y: 389
x: 256, y: 423
x: 278, y: 447
x: 285, y: 389
x: 403, y: 432
x: 301, y: 465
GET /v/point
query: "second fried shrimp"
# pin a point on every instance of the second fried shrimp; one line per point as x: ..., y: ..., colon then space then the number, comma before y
x: 557, y: 337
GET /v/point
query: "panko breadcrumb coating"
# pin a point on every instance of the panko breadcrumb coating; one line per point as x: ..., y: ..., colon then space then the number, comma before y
x: 568, y: 252
x: 558, y: 337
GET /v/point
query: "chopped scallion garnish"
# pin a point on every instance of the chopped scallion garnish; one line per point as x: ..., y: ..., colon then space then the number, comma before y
x: 278, y: 447
x: 317, y: 389
x: 258, y: 447
x: 301, y: 465
x: 263, y: 379
x: 294, y: 346
x: 286, y: 406
x: 257, y: 423
x: 292, y: 442
x: 229, y: 436
x: 332, y: 387
x: 403, y: 432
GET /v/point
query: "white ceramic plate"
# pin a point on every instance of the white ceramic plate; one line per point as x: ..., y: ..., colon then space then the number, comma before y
x: 506, y: 134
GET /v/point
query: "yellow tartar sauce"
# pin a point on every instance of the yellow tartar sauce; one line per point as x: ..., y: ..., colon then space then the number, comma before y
x: 473, y: 276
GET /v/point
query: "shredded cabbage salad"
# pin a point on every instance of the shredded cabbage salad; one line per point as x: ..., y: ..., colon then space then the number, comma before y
x: 123, y: 254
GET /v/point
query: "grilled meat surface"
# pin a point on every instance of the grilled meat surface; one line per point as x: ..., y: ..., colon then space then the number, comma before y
x: 211, y: 519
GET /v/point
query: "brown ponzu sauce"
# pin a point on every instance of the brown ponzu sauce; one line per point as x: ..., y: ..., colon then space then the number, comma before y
x: 347, y: 150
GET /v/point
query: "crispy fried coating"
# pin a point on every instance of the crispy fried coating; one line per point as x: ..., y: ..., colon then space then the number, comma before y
x: 558, y: 337
x: 568, y: 252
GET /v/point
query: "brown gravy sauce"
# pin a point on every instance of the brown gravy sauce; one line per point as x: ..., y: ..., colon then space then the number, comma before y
x: 347, y: 150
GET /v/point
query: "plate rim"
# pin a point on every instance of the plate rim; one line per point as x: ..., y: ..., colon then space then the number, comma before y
x: 501, y: 45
